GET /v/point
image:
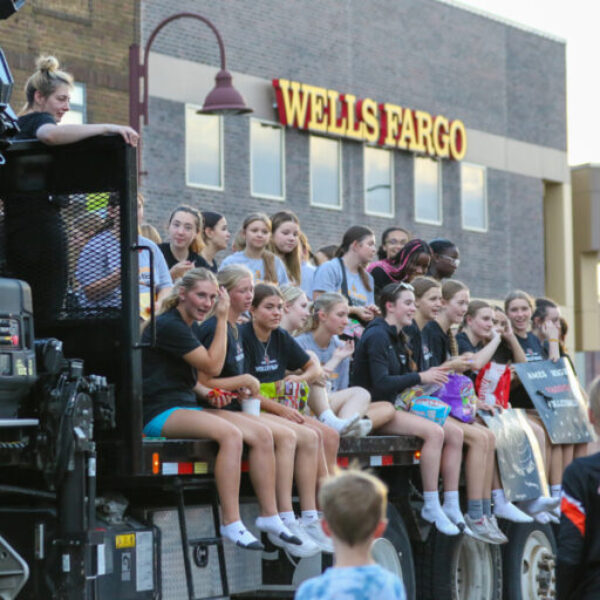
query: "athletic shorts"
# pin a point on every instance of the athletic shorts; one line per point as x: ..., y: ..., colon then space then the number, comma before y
x: 154, y: 427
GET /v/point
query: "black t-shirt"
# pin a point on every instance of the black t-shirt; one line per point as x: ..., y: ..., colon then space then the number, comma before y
x: 268, y: 362
x: 381, y: 278
x: 234, y: 359
x: 172, y: 261
x: 202, y: 262
x: 464, y: 345
x: 30, y: 123
x: 534, y: 352
x: 437, y: 342
x: 420, y: 351
x: 578, y: 556
x: 168, y: 380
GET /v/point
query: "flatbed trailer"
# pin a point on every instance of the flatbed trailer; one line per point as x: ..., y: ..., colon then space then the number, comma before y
x: 92, y: 510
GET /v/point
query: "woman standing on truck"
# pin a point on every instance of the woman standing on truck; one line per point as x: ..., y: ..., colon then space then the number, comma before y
x: 296, y: 447
x: 36, y: 244
x: 170, y: 373
x: 274, y: 357
x: 383, y: 364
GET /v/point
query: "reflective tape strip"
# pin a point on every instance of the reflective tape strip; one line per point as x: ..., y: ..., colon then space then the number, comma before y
x: 169, y: 468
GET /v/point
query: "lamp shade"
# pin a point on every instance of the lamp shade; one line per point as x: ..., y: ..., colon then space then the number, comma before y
x: 224, y: 99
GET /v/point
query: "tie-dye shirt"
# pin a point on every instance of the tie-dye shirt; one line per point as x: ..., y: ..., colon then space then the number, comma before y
x: 369, y: 582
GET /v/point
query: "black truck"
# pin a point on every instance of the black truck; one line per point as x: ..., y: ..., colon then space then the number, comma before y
x: 91, y: 509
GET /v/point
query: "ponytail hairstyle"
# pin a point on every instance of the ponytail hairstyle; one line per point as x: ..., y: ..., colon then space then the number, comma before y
x: 264, y: 290
x: 450, y: 288
x: 268, y: 257
x: 230, y: 275
x: 541, y: 310
x: 407, y: 257
x: 324, y: 302
x: 209, y: 221
x: 197, y: 243
x: 46, y: 79
x: 186, y: 283
x: 390, y: 293
x: 292, y: 260
x: 423, y: 284
x: 518, y: 295
x: 474, y: 307
x: 356, y: 233
x: 381, y: 253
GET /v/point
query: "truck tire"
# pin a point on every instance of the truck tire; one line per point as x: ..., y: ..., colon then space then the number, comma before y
x: 458, y: 568
x: 394, y: 552
x: 529, y: 562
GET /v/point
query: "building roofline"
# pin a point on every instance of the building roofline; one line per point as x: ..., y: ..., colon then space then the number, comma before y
x: 588, y: 165
x: 494, y: 17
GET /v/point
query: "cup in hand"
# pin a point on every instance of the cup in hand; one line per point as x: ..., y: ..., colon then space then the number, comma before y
x: 251, y: 406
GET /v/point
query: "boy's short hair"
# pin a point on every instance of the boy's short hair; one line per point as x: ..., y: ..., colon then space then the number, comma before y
x: 594, y: 399
x: 353, y: 503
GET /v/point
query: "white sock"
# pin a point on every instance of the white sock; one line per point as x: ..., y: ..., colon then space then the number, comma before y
x: 507, y: 510
x: 276, y: 526
x: 541, y: 504
x: 287, y: 517
x: 555, y: 490
x: 309, y: 516
x: 238, y: 534
x: 433, y: 513
x: 452, y: 508
x: 543, y: 517
x: 340, y: 425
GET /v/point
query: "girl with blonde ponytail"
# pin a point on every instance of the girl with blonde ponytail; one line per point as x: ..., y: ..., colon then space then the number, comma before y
x: 329, y: 318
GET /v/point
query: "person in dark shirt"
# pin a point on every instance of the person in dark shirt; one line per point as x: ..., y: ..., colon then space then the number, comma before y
x: 36, y: 244
x: 578, y: 555
x: 215, y: 236
x: 185, y: 241
x: 480, y: 461
x: 170, y: 409
x: 290, y: 438
x: 272, y: 355
x: 519, y: 307
x: 383, y: 365
x: 445, y: 259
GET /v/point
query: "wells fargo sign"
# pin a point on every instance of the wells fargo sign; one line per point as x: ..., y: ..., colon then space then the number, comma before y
x: 318, y: 109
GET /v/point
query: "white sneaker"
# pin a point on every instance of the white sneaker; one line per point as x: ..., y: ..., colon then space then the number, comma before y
x: 304, y: 550
x: 510, y: 512
x: 317, y: 535
x: 442, y: 523
x: 495, y: 531
x: 541, y: 504
x: 479, y: 530
x: 362, y: 428
x: 543, y: 517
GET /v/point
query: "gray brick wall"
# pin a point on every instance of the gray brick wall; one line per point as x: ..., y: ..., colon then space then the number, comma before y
x: 419, y: 53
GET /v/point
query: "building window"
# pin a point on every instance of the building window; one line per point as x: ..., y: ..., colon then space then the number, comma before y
x: 473, y: 193
x: 203, y: 149
x: 325, y: 172
x: 379, y: 187
x: 267, y: 151
x: 428, y: 191
x: 77, y: 113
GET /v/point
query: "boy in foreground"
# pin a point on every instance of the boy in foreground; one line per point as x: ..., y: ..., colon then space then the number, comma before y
x: 354, y: 507
x: 578, y: 566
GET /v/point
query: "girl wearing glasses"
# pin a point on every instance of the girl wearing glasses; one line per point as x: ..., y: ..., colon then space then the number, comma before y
x: 384, y: 365
x: 444, y: 260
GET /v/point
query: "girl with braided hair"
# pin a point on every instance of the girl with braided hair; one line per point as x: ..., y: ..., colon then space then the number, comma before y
x: 411, y: 260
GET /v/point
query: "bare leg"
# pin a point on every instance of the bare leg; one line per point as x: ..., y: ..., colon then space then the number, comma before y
x: 261, y: 456
x: 476, y: 461
x: 330, y: 440
x: 451, y: 456
x: 580, y: 450
x: 350, y: 401
x: 432, y: 435
x: 380, y: 413
x: 201, y: 424
x: 317, y: 399
x: 568, y: 451
x: 306, y: 463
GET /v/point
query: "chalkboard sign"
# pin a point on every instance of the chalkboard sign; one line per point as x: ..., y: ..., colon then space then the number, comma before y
x: 555, y: 393
x: 520, y: 460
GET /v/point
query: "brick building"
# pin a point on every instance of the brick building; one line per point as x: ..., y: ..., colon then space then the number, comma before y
x: 91, y: 40
x: 503, y: 203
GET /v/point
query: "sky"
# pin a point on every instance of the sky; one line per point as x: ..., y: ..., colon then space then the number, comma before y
x: 577, y: 22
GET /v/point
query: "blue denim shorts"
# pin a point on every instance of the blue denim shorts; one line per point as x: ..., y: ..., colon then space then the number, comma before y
x: 154, y: 427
